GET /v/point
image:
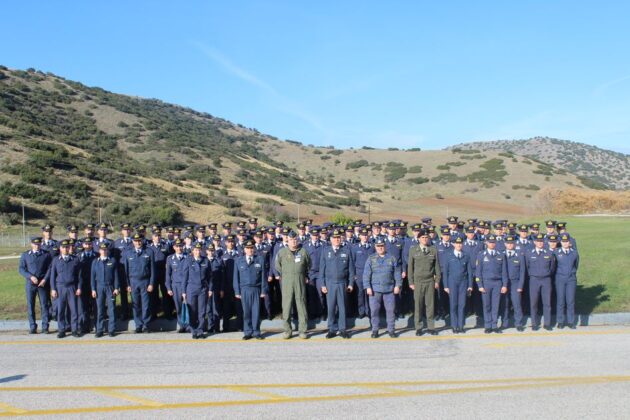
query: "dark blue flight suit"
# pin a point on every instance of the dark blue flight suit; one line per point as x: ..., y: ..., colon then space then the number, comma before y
x: 457, y: 278
x: 229, y: 305
x: 473, y: 248
x: 491, y: 275
x: 264, y: 250
x: 218, y: 285
x: 249, y: 282
x: 566, y: 284
x: 160, y: 253
x: 104, y: 279
x: 140, y: 273
x: 540, y: 268
x: 119, y: 248
x: 86, y: 308
x: 360, y: 253
x: 516, y: 280
x: 36, y: 264
x: 65, y: 274
x: 394, y: 247
x: 196, y: 284
x: 336, y: 269
x: 315, y: 299
x: 176, y: 272
x: 442, y: 307
x: 52, y: 247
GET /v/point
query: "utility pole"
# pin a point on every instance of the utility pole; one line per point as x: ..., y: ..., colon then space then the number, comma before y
x: 23, y: 225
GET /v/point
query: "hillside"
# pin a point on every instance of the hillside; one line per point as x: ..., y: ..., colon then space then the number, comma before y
x: 600, y: 168
x: 69, y: 151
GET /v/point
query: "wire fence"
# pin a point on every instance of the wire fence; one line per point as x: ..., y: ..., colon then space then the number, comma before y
x: 14, y: 240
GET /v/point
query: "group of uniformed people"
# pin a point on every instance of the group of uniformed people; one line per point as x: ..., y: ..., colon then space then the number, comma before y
x: 332, y: 272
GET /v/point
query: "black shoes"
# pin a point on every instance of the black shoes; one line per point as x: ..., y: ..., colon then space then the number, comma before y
x: 181, y: 330
x: 497, y: 330
x: 145, y: 330
x: 138, y: 331
x: 560, y: 326
x: 247, y: 337
x: 392, y: 334
x: 45, y: 331
x: 572, y: 327
x: 418, y: 333
x: 455, y: 330
x: 520, y: 329
x: 33, y: 331
x: 75, y: 334
x: 548, y: 328
x: 331, y: 334
x: 112, y: 334
x: 61, y: 334
x: 487, y: 330
x: 433, y: 332
x: 259, y: 337
x: 536, y: 328
x: 98, y: 334
x: 344, y: 334
x: 374, y: 334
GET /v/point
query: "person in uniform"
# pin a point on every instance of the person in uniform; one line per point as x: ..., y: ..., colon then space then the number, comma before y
x: 491, y: 277
x: 105, y: 286
x: 85, y: 302
x: 568, y: 261
x: 336, y: 268
x: 176, y: 272
x: 197, y: 289
x: 292, y: 265
x: 515, y: 260
x: 140, y: 281
x: 217, y: 287
x: 315, y: 299
x: 382, y: 281
x: 424, y: 276
x: 121, y: 246
x: 541, y: 265
x: 250, y: 285
x: 65, y: 286
x: 458, y: 280
x: 161, y: 250
x: 229, y: 304
x: 34, y: 267
x: 360, y: 253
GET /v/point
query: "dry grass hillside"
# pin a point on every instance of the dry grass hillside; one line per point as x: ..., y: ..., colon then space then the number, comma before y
x: 68, y: 151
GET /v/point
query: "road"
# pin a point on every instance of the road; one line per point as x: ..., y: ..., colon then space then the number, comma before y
x: 561, y: 374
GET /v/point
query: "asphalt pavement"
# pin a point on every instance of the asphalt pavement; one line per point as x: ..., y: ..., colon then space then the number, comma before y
x: 583, y: 373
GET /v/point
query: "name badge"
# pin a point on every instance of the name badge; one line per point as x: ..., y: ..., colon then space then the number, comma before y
x: 257, y: 265
x: 298, y: 258
x: 343, y: 255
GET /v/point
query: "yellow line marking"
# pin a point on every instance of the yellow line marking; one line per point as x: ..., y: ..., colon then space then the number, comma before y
x: 384, y: 388
x: 212, y: 340
x: 127, y: 397
x: 249, y: 390
x: 10, y: 409
x: 529, y: 344
x: 317, y: 384
x: 567, y: 382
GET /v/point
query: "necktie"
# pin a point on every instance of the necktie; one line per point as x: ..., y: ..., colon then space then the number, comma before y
x: 249, y: 260
x: 424, y: 250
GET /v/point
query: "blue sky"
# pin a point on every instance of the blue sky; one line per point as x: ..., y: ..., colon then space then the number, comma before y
x: 352, y: 73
